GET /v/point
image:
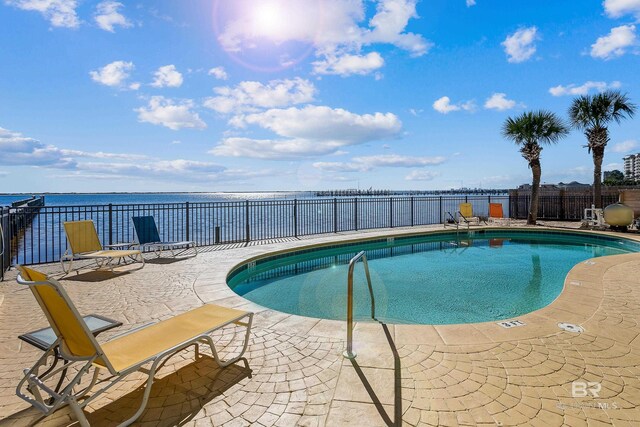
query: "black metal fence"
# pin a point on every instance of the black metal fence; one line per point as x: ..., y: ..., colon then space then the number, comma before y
x: 36, y: 235
x: 558, y: 207
x: 5, y: 241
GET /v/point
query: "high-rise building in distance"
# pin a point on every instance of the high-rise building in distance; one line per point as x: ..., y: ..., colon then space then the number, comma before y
x: 632, y: 167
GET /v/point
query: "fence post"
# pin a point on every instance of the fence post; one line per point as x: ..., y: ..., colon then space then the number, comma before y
x: 335, y: 215
x: 441, y: 222
x: 246, y: 220
x: 5, y: 241
x: 110, y: 224
x: 563, y: 212
x: 412, y: 211
x: 187, y: 220
x: 391, y: 212
x: 295, y: 217
x: 355, y: 212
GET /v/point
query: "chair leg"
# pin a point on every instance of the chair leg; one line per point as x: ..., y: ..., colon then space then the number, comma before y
x: 69, y: 260
x: 216, y: 357
x: 145, y: 397
x: 78, y: 412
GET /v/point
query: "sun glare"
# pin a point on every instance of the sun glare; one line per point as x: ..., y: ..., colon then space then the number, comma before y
x: 268, y: 19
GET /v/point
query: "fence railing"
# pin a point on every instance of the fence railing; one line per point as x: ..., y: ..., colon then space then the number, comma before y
x: 5, y: 241
x: 35, y: 235
x: 562, y: 207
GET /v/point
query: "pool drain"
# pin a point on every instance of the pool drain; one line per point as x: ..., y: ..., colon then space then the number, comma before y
x: 570, y: 327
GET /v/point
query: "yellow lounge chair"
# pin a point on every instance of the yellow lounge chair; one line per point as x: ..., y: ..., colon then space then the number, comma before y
x: 85, y: 244
x: 464, y: 216
x: 148, y: 347
x: 496, y: 214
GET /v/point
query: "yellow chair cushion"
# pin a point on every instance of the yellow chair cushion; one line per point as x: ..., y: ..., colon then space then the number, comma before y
x: 142, y: 345
x: 466, y: 209
x: 82, y: 236
x: 110, y: 254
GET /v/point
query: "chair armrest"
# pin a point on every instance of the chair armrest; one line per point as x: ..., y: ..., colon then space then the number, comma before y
x: 121, y: 245
x: 130, y: 331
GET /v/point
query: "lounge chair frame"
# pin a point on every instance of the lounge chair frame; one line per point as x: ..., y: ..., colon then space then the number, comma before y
x: 459, y: 218
x: 34, y: 385
x: 103, y: 258
x: 146, y: 228
x: 498, y: 220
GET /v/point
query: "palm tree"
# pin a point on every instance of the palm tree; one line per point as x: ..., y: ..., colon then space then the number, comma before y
x: 592, y: 114
x: 529, y: 130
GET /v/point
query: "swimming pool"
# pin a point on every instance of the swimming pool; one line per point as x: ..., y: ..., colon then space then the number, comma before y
x: 433, y: 278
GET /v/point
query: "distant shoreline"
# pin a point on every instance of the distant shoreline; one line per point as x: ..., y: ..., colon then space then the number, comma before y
x: 354, y: 192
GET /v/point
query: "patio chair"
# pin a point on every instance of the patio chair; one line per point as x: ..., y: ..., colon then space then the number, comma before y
x: 149, y: 237
x: 593, y: 217
x: 464, y: 216
x: 496, y: 214
x: 85, y: 244
x: 143, y: 350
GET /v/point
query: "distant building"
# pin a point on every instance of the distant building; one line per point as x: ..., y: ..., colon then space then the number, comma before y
x: 573, y: 185
x: 632, y: 167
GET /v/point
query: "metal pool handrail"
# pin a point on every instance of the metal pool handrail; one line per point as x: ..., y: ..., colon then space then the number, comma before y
x: 349, y: 353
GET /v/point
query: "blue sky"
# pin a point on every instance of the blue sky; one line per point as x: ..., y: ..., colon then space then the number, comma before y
x: 250, y: 95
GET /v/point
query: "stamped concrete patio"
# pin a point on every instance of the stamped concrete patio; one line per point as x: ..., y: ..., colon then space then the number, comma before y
x: 473, y: 374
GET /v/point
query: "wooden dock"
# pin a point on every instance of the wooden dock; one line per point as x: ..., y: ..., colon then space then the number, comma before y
x: 22, y: 211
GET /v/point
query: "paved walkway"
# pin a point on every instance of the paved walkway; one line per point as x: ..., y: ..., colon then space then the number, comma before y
x: 476, y: 374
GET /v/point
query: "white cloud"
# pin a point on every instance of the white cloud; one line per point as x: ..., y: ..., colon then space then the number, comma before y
x: 389, y: 23
x: 367, y: 163
x: 332, y: 27
x: 421, y: 175
x: 60, y: 13
x: 583, y: 89
x: 308, y: 131
x: 16, y: 149
x: 395, y: 160
x: 499, y: 101
x: 101, y: 155
x: 114, y: 74
x: 616, y: 44
x: 619, y: 8
x: 625, y: 146
x: 251, y: 96
x: 443, y: 105
x: 324, y: 123
x: 167, y: 76
x: 219, y: 73
x: 19, y: 150
x: 415, y: 111
x: 340, y: 167
x: 108, y: 16
x: 471, y: 3
x: 346, y: 65
x: 171, y: 114
x: 520, y: 46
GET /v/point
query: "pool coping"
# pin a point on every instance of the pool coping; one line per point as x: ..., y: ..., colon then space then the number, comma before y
x: 579, y: 300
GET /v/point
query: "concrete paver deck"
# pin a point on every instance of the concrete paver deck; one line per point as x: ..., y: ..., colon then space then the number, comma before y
x: 476, y: 374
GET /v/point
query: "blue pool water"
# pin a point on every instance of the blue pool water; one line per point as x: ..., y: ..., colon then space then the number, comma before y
x: 439, y: 278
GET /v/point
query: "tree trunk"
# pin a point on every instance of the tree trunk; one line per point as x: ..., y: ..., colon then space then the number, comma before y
x: 535, y: 191
x: 598, y: 156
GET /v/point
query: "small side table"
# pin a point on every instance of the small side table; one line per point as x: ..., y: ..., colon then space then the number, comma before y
x: 45, y: 337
